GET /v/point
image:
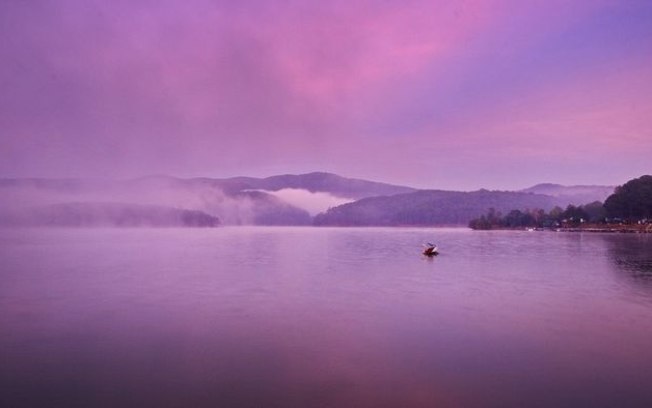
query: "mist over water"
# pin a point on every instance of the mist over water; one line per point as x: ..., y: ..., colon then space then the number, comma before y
x: 300, y: 317
x: 25, y: 197
x: 34, y: 202
x: 313, y: 202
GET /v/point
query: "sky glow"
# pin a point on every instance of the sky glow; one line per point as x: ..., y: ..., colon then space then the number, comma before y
x: 436, y: 94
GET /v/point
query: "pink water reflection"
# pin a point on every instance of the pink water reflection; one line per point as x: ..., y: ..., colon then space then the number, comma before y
x: 321, y: 317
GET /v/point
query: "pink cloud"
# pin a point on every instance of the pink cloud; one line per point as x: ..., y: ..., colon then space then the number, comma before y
x: 339, y: 56
x: 386, y: 91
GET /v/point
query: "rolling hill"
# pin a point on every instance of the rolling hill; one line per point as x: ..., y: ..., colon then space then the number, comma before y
x: 576, y: 195
x: 429, y: 207
x: 312, y: 182
x: 258, y: 201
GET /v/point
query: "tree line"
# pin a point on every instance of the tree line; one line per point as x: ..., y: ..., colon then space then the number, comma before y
x: 538, y: 218
x: 630, y: 203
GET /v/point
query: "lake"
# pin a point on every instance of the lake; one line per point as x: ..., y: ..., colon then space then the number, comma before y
x: 324, y: 317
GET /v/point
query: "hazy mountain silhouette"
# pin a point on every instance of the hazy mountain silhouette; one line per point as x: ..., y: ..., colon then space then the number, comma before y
x: 257, y: 201
x: 576, y: 195
x: 92, y: 214
x: 58, y: 199
x: 313, y: 182
x: 430, y: 207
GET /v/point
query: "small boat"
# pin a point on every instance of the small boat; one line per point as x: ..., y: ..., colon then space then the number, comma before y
x: 431, y: 249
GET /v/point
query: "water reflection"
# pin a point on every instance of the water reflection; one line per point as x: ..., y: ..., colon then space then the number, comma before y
x: 632, y: 253
x: 323, y: 317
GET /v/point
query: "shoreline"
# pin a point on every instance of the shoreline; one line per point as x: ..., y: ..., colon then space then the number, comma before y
x: 621, y: 229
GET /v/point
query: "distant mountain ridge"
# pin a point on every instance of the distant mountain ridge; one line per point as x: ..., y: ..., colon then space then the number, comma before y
x: 258, y: 201
x: 576, y: 195
x: 313, y: 182
x: 430, y: 207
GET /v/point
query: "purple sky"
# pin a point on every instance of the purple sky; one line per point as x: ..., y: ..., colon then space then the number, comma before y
x: 494, y: 94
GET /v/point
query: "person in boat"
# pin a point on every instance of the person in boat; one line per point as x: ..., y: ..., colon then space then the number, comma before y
x: 431, y: 249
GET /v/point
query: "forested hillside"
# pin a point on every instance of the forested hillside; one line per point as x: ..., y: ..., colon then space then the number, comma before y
x: 430, y: 207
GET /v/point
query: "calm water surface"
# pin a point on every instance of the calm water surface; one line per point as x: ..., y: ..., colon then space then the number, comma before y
x: 312, y: 317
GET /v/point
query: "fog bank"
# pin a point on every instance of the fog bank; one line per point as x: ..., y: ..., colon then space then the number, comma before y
x: 313, y: 202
